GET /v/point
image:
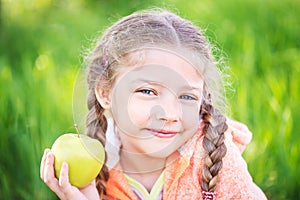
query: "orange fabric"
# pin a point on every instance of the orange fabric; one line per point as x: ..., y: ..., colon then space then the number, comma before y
x: 117, y: 186
x: 183, y: 174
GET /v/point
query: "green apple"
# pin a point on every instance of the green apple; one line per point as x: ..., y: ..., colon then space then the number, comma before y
x: 84, y: 155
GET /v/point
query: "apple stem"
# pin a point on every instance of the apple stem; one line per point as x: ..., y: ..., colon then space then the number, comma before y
x: 76, y: 127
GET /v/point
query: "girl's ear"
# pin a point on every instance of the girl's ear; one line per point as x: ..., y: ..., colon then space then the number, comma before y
x: 103, y: 97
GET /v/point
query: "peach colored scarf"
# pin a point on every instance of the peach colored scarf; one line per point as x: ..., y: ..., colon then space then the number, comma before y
x: 182, y: 175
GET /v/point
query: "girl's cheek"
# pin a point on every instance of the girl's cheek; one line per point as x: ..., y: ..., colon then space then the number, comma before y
x: 139, y: 112
x: 190, y: 117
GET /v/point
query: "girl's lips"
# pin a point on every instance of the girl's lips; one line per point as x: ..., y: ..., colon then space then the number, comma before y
x: 162, y: 133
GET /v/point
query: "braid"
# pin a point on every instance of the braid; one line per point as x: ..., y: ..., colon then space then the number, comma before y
x: 96, y: 127
x: 213, y: 144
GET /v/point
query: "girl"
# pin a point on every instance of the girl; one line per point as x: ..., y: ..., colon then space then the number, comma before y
x: 165, y: 135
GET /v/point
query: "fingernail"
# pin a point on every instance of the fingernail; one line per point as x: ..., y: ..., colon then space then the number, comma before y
x: 64, y: 164
x: 46, y: 150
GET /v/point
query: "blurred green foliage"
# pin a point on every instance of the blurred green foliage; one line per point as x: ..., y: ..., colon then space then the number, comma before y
x: 41, y: 44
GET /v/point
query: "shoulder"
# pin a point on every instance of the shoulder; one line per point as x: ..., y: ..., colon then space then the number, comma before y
x: 238, y: 133
x: 234, y: 173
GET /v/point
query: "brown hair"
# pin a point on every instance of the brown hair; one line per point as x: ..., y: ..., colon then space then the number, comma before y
x: 161, y: 29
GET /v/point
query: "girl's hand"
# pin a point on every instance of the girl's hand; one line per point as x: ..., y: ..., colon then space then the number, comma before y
x: 62, y: 187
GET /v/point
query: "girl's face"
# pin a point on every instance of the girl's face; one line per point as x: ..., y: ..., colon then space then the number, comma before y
x: 156, y: 104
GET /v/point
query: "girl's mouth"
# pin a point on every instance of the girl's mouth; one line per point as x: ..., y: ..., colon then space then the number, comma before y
x: 163, y: 133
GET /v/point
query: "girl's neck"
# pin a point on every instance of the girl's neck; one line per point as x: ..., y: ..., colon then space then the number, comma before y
x: 143, y: 168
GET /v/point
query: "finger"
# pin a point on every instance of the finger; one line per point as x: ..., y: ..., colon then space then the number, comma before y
x: 49, y: 177
x: 69, y: 191
x: 42, y: 166
x: 64, y: 178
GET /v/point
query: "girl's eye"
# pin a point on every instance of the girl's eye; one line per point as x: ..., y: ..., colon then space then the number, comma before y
x: 147, y: 91
x: 187, y: 97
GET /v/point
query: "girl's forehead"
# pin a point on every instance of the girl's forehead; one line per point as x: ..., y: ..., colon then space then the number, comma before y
x: 161, y: 66
x: 161, y: 55
x: 176, y: 60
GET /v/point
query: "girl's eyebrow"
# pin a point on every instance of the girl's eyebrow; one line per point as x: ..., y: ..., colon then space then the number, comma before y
x: 145, y: 81
x: 190, y: 87
x: 183, y: 87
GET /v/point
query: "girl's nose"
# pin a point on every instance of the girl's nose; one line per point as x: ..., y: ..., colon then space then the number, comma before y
x: 170, y: 109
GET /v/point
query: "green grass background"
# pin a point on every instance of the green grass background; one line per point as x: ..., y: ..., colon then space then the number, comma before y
x: 41, y: 43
